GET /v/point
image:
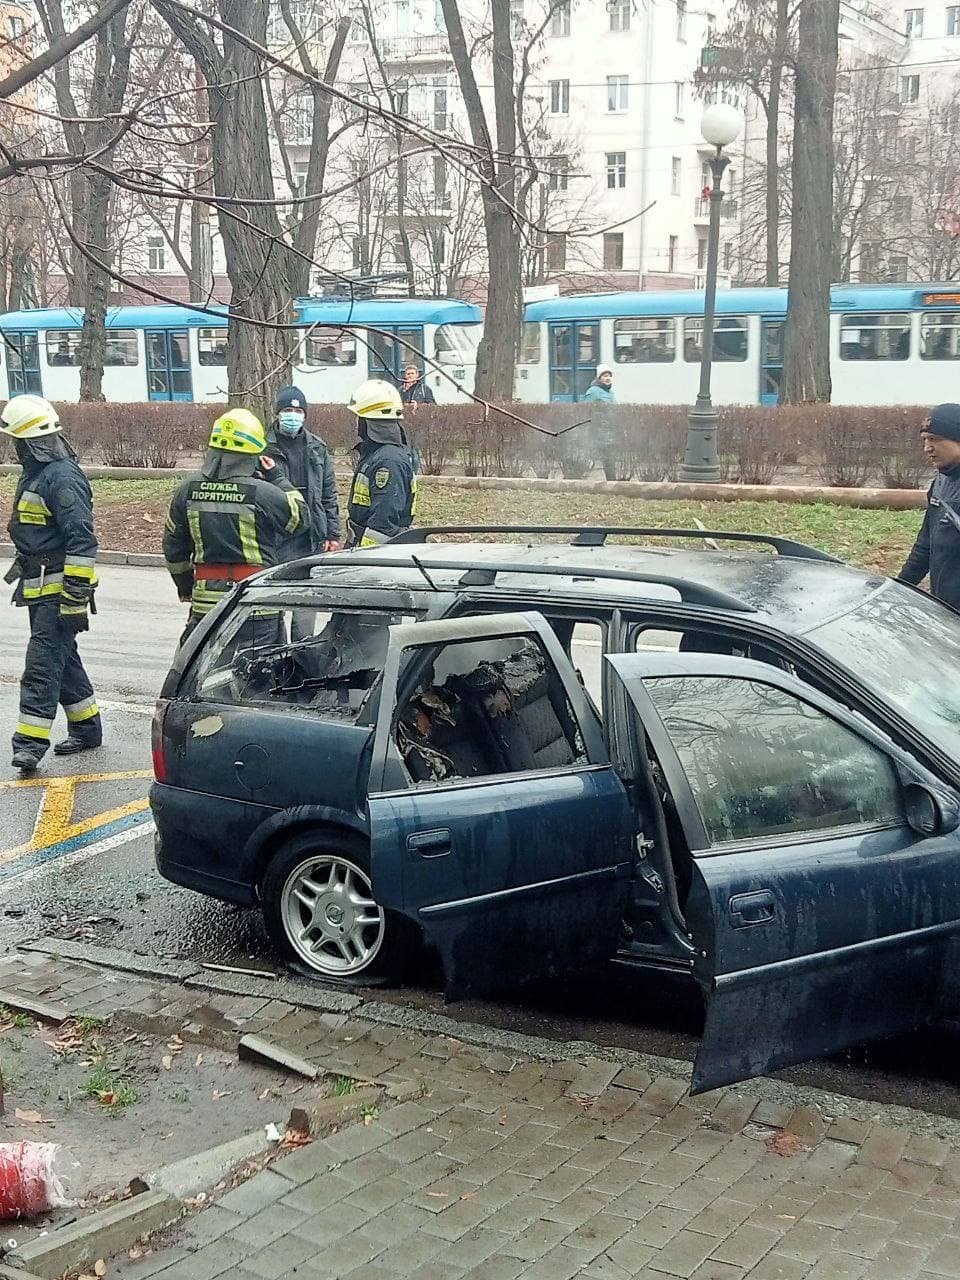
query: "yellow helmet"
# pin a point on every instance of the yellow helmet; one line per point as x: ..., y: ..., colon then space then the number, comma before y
x: 376, y: 399
x: 28, y: 417
x: 238, y: 431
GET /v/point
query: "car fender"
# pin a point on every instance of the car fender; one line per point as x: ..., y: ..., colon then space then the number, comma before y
x: 280, y: 826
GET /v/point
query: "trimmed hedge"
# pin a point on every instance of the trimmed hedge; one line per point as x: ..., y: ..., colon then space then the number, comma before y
x: 838, y: 444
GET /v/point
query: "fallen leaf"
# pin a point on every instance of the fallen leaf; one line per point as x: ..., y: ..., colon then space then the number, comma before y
x: 107, y: 1097
x: 784, y: 1144
x: 131, y: 1036
x: 134, y: 1253
x: 199, y: 1061
x: 267, y: 1093
x: 100, y: 1267
x: 368, y: 1120
x: 439, y: 1195
x: 167, y: 1061
x: 221, y: 1093
x: 468, y: 1195
x: 30, y: 1117
x: 786, y: 1217
x: 295, y: 1138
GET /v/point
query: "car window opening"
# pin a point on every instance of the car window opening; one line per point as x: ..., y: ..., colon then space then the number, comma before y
x: 302, y: 658
x: 483, y: 708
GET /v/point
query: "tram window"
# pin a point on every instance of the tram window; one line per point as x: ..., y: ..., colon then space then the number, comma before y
x: 652, y: 341
x: 530, y: 344
x: 330, y: 346
x: 63, y: 347
x: 875, y: 337
x: 212, y: 346
x: 121, y: 349
x: 940, y: 336
x: 730, y: 342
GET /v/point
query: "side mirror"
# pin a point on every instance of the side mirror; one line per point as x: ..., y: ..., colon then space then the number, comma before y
x: 930, y: 813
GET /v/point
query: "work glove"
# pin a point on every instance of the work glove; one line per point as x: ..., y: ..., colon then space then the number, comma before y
x: 76, y: 601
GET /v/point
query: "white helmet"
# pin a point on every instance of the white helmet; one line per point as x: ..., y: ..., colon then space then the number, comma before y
x: 29, y: 418
x: 375, y: 399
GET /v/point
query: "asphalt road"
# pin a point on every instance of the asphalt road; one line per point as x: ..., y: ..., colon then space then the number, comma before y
x: 76, y: 861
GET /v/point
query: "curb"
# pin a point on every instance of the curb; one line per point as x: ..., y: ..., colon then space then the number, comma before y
x: 893, y: 499
x: 193, y: 1174
x: 102, y: 1234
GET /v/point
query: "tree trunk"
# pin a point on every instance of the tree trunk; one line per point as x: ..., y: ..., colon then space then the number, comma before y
x: 497, y: 353
x: 772, y: 192
x: 94, y: 287
x: 806, y: 371
x: 258, y: 261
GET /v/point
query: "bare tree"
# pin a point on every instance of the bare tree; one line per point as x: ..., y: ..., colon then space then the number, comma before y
x: 806, y: 370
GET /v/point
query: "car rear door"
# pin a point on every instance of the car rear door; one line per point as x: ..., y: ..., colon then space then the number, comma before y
x: 497, y: 823
x: 820, y: 915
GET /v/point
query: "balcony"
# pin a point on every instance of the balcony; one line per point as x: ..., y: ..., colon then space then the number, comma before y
x: 701, y: 209
x: 415, y: 49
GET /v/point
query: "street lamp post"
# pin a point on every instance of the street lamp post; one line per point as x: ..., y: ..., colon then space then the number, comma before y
x: 719, y: 126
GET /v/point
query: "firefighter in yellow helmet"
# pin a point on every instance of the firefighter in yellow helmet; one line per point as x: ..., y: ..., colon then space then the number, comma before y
x: 55, y: 575
x: 225, y: 523
x: 383, y: 492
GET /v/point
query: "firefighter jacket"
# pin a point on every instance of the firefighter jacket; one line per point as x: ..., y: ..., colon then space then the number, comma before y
x: 383, y: 494
x: 52, y: 530
x: 219, y: 531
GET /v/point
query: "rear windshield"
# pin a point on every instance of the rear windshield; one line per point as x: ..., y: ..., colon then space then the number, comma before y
x: 296, y: 657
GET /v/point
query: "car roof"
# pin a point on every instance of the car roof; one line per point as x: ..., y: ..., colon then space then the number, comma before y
x: 789, y: 592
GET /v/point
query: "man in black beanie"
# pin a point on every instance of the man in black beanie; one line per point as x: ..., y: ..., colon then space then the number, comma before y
x: 937, y: 549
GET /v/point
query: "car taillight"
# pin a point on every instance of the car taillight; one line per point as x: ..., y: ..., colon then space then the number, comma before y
x: 156, y: 741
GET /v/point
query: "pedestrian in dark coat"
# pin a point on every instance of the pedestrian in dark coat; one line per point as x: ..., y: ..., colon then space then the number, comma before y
x: 305, y: 461
x: 936, y: 552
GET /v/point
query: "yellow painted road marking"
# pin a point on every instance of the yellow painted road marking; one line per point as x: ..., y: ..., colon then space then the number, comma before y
x: 54, y: 824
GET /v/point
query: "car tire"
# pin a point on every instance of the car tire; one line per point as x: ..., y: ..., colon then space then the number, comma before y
x: 320, y: 910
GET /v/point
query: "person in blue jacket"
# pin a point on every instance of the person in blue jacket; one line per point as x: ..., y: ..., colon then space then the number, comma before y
x: 601, y: 388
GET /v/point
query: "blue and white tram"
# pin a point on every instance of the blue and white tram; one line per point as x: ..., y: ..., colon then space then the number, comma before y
x: 180, y: 353
x: 889, y: 344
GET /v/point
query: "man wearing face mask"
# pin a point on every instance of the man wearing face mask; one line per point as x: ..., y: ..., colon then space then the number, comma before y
x: 305, y: 462
x: 937, y: 549
x: 55, y: 575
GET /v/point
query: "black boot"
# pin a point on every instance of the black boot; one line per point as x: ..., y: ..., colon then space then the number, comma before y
x: 25, y: 760
x: 71, y: 746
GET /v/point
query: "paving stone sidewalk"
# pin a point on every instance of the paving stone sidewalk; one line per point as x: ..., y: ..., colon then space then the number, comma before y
x: 504, y: 1165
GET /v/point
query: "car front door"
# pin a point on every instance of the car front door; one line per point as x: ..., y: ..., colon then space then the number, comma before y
x: 825, y: 897
x: 497, y: 823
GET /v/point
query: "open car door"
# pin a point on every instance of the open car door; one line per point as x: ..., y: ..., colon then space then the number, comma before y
x: 825, y: 890
x: 497, y: 823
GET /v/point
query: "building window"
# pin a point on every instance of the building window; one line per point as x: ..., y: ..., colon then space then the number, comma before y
x: 730, y: 182
x: 360, y: 252
x: 618, y: 93
x: 560, y: 20
x: 727, y: 256
x: 701, y: 253
x: 619, y: 11
x: 676, y: 175
x: 300, y: 170
x: 16, y: 28
x: 909, y: 88
x: 439, y: 175
x: 672, y: 254
x: 616, y: 169
x: 517, y: 24
x: 559, y: 97
x: 914, y: 22
x: 897, y: 268
x: 681, y: 19
x: 156, y: 253
x: 953, y: 19
x: 613, y: 250
x: 646, y: 341
x: 556, y: 251
x: 402, y: 11
x: 679, y: 98
x: 358, y: 27
x: 558, y: 173
x: 903, y: 208
x: 401, y: 101
x: 440, y: 104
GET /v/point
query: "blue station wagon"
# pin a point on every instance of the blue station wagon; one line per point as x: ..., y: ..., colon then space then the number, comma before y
x: 530, y: 755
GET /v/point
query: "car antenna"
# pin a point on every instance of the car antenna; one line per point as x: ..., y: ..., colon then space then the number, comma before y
x: 433, y: 585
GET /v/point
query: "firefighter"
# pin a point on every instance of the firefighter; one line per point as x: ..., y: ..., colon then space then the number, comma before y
x: 225, y: 523
x: 383, y: 492
x: 54, y: 569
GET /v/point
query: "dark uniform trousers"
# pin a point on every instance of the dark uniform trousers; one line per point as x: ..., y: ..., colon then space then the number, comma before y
x: 53, y: 674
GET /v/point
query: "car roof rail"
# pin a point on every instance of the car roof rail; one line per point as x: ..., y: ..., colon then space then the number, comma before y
x: 596, y: 536
x: 475, y: 575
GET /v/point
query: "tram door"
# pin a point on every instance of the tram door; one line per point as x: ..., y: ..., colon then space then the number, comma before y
x: 574, y: 355
x: 168, y: 364
x: 392, y: 348
x: 771, y: 360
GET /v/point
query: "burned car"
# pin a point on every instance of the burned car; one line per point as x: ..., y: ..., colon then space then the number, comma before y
x: 740, y: 766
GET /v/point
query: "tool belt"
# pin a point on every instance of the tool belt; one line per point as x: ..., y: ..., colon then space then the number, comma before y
x: 225, y: 572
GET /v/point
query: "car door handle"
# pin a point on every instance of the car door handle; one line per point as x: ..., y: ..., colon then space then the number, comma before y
x: 430, y: 844
x: 752, y: 908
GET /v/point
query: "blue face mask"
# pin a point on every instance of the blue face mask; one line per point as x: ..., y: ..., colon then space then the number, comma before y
x: 289, y: 421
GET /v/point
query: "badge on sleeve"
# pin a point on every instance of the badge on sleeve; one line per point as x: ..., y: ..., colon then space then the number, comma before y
x: 382, y: 478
